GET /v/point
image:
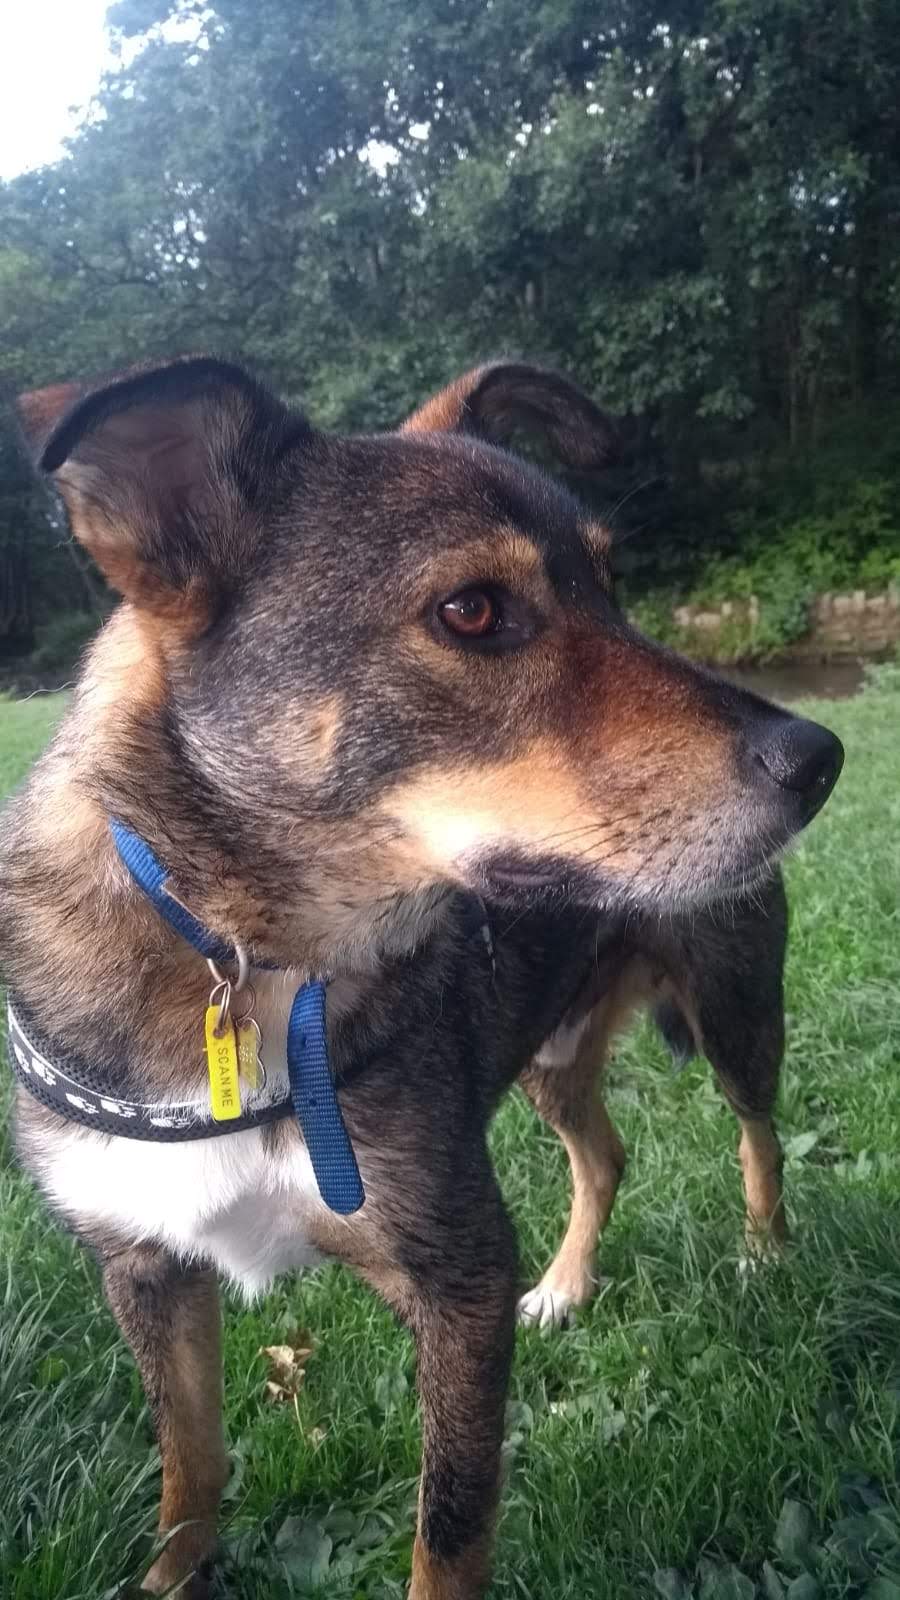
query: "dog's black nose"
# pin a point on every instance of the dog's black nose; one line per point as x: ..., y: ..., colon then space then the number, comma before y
x: 803, y: 757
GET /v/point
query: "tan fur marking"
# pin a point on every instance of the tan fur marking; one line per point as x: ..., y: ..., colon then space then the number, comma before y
x: 630, y: 783
x: 761, y: 1163
x: 535, y: 801
x: 324, y: 728
x: 444, y: 411
x: 124, y: 674
x: 42, y: 409
x: 113, y: 542
x: 126, y: 670
x: 298, y: 738
x: 179, y: 1356
x: 523, y: 552
x: 195, y: 1466
x: 597, y: 1160
x: 464, y: 1578
x: 532, y: 799
x: 760, y: 1154
x: 391, y: 1283
x: 507, y: 557
x: 569, y: 1099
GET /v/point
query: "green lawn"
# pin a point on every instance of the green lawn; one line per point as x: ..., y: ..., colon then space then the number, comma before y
x: 698, y: 1433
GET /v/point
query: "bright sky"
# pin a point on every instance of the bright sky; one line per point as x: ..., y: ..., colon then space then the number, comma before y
x: 52, y: 53
x: 52, y: 56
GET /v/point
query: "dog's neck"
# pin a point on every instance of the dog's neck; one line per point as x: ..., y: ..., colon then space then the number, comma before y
x: 293, y: 915
x: 101, y: 951
x: 286, y: 885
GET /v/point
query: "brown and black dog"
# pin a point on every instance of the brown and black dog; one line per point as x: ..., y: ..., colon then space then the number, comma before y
x: 356, y: 685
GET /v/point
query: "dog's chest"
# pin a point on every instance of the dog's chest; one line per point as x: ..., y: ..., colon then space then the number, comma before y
x: 228, y: 1200
x: 245, y: 1203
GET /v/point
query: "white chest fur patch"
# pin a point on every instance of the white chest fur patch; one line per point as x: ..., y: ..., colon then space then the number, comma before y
x: 561, y: 1048
x: 228, y: 1200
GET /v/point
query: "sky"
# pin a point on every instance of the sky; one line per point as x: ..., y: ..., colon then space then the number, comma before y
x: 52, y: 56
x: 52, y: 53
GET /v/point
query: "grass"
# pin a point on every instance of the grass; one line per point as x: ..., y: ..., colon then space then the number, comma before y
x: 697, y: 1433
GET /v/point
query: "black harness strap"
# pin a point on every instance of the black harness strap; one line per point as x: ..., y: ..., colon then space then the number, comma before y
x: 79, y: 1092
x: 66, y: 1083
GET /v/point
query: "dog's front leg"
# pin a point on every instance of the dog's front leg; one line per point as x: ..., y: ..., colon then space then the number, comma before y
x: 170, y: 1317
x: 462, y: 1310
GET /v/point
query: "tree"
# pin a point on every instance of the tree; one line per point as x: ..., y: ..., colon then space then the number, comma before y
x: 694, y: 210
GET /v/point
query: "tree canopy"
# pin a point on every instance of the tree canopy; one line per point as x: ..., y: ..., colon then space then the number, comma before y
x: 694, y: 209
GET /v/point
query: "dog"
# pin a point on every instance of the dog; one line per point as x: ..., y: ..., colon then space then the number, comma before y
x: 369, y: 726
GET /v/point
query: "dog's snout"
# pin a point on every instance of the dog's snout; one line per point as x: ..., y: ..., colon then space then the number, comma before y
x: 803, y: 757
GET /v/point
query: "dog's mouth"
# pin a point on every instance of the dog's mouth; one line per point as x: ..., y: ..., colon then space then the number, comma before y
x: 512, y: 875
x: 718, y: 848
x: 519, y: 874
x: 515, y: 878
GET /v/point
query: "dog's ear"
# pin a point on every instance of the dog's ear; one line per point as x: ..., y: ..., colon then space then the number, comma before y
x: 164, y: 472
x: 493, y: 401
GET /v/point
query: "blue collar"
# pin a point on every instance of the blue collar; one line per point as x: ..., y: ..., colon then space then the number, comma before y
x: 313, y: 1094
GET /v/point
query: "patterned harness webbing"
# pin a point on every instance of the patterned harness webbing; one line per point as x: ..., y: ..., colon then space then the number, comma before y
x: 82, y: 1093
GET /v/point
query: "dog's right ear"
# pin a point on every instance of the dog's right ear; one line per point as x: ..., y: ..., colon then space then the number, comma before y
x: 164, y: 472
x: 491, y: 402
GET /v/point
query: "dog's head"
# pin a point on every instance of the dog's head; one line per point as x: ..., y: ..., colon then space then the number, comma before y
x: 398, y: 658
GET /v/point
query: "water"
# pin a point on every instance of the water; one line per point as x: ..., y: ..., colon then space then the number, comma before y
x: 801, y: 680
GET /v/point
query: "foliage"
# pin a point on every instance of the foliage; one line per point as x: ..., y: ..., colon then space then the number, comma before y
x: 830, y: 525
x: 61, y: 642
x: 864, y: 1539
x: 696, y: 212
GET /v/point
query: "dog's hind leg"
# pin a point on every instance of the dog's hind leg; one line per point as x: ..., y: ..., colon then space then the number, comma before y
x: 730, y: 991
x: 170, y: 1318
x: 564, y: 1083
x: 746, y: 1058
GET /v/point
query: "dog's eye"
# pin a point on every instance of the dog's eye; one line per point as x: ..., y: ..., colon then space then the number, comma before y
x: 485, y: 618
x: 471, y: 614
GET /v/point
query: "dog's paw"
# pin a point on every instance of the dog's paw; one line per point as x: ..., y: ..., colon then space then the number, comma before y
x: 763, y: 1247
x: 195, y: 1587
x: 550, y: 1305
x: 543, y: 1307
x: 204, y: 1583
x: 759, y: 1256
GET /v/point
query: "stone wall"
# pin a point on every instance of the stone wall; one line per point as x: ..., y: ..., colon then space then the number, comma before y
x: 839, y: 624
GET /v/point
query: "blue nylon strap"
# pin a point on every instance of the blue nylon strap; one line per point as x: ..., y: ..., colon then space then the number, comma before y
x: 150, y: 875
x: 316, y: 1103
x: 313, y: 1093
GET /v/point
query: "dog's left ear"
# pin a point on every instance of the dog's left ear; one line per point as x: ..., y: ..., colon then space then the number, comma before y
x: 165, y: 473
x: 493, y: 401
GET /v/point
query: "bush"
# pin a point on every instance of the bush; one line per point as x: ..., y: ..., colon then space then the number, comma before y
x: 61, y: 642
x: 849, y: 539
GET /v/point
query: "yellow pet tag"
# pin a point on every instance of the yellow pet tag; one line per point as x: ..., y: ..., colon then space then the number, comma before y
x: 222, y: 1061
x: 248, y: 1052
